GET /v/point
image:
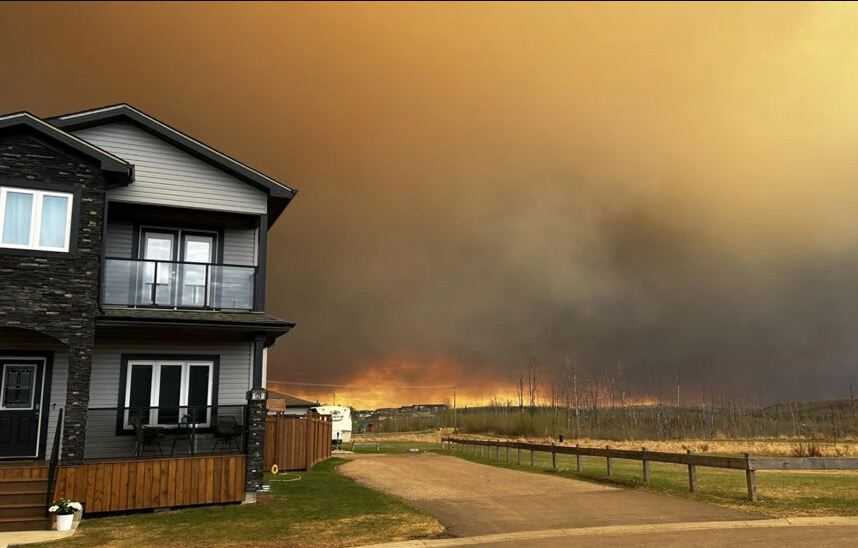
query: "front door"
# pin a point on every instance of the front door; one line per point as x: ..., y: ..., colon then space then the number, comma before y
x: 21, y: 386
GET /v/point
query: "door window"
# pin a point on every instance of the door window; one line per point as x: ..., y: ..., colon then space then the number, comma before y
x: 196, y: 248
x: 18, y: 386
x: 157, y: 276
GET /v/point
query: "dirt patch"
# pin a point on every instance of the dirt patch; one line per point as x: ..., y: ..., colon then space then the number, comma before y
x: 474, y: 499
x: 413, y: 437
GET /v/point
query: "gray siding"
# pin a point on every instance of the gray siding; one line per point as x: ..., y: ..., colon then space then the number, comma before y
x: 237, y: 283
x: 239, y: 246
x: 120, y: 237
x: 166, y: 175
x: 117, y: 287
x: 236, y: 358
x: 57, y: 398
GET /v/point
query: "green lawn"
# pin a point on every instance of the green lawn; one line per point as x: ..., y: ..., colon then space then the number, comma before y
x: 779, y: 493
x: 393, y: 447
x: 323, y: 508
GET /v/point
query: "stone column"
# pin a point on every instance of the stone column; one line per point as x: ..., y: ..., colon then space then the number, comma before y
x: 256, y: 413
x: 77, y: 402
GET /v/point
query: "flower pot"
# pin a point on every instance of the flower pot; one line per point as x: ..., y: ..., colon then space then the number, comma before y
x: 64, y: 522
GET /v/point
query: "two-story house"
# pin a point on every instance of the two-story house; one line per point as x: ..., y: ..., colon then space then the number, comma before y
x: 132, y: 308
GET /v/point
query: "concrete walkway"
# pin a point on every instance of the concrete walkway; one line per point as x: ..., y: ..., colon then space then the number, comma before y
x: 27, y: 537
x: 474, y: 499
x: 772, y: 533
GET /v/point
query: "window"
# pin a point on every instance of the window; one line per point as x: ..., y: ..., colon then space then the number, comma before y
x: 164, y: 392
x: 18, y: 383
x: 35, y: 219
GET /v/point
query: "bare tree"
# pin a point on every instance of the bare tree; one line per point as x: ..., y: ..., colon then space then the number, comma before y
x: 532, y: 385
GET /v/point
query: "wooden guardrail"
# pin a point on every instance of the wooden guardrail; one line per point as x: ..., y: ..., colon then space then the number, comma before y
x: 746, y: 462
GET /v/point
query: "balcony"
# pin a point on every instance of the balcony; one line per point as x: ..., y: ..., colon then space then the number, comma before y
x: 173, y: 284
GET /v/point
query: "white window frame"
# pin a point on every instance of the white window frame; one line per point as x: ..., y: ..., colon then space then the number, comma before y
x: 155, y: 389
x: 36, y: 218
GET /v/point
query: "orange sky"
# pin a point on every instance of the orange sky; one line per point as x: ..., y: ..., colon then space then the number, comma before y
x: 648, y: 190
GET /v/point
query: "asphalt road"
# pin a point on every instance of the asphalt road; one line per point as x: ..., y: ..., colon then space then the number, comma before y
x: 780, y: 537
x: 472, y: 499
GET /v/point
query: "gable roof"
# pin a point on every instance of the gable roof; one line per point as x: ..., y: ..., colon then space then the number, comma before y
x: 279, y: 193
x: 291, y: 401
x: 122, y: 171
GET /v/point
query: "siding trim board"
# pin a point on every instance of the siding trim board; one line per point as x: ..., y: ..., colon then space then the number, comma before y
x: 261, y: 275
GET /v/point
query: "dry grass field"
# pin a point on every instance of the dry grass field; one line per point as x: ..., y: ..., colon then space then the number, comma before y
x: 761, y: 446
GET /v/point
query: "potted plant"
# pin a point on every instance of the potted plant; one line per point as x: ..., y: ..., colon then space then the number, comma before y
x: 65, y: 509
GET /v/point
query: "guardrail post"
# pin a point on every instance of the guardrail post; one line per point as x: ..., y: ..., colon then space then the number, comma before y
x: 692, y: 475
x: 531, y: 456
x: 577, y: 458
x: 608, y: 459
x: 506, y: 444
x: 497, y: 451
x: 751, y: 478
x: 644, y: 465
x: 518, y: 455
x: 553, y: 456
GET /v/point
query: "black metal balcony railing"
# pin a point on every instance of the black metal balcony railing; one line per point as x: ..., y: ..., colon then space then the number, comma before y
x: 127, y: 432
x: 173, y: 284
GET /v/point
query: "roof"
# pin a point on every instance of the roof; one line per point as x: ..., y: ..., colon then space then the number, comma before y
x: 109, y: 163
x: 280, y: 194
x: 252, y: 321
x: 291, y: 401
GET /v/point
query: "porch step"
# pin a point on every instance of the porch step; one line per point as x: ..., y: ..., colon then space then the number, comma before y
x: 13, y: 486
x: 24, y: 496
x: 26, y: 524
x: 30, y: 510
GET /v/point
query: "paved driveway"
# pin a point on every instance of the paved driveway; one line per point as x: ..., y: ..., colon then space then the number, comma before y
x: 474, y: 499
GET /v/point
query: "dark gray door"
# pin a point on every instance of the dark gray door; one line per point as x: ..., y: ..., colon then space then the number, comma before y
x: 21, y: 381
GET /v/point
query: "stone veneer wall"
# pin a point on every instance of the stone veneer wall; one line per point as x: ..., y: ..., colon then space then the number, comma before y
x: 256, y: 414
x: 57, y: 293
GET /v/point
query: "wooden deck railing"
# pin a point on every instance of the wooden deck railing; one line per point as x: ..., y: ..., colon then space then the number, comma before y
x: 139, y: 484
x: 748, y: 463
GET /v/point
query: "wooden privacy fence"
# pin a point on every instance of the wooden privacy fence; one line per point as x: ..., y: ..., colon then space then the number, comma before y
x: 113, y: 486
x: 749, y: 464
x: 296, y: 442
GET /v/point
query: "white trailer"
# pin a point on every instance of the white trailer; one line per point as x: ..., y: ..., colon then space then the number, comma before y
x: 341, y: 422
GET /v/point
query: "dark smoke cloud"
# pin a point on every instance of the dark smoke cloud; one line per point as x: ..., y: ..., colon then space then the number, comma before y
x: 651, y: 191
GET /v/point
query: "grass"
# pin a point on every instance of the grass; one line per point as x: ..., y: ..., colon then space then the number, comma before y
x: 779, y: 493
x: 323, y: 508
x: 393, y: 446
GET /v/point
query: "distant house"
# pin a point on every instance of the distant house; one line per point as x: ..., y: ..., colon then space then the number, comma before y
x: 288, y: 404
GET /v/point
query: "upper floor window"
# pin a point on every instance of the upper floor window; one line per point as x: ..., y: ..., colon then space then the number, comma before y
x: 35, y: 219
